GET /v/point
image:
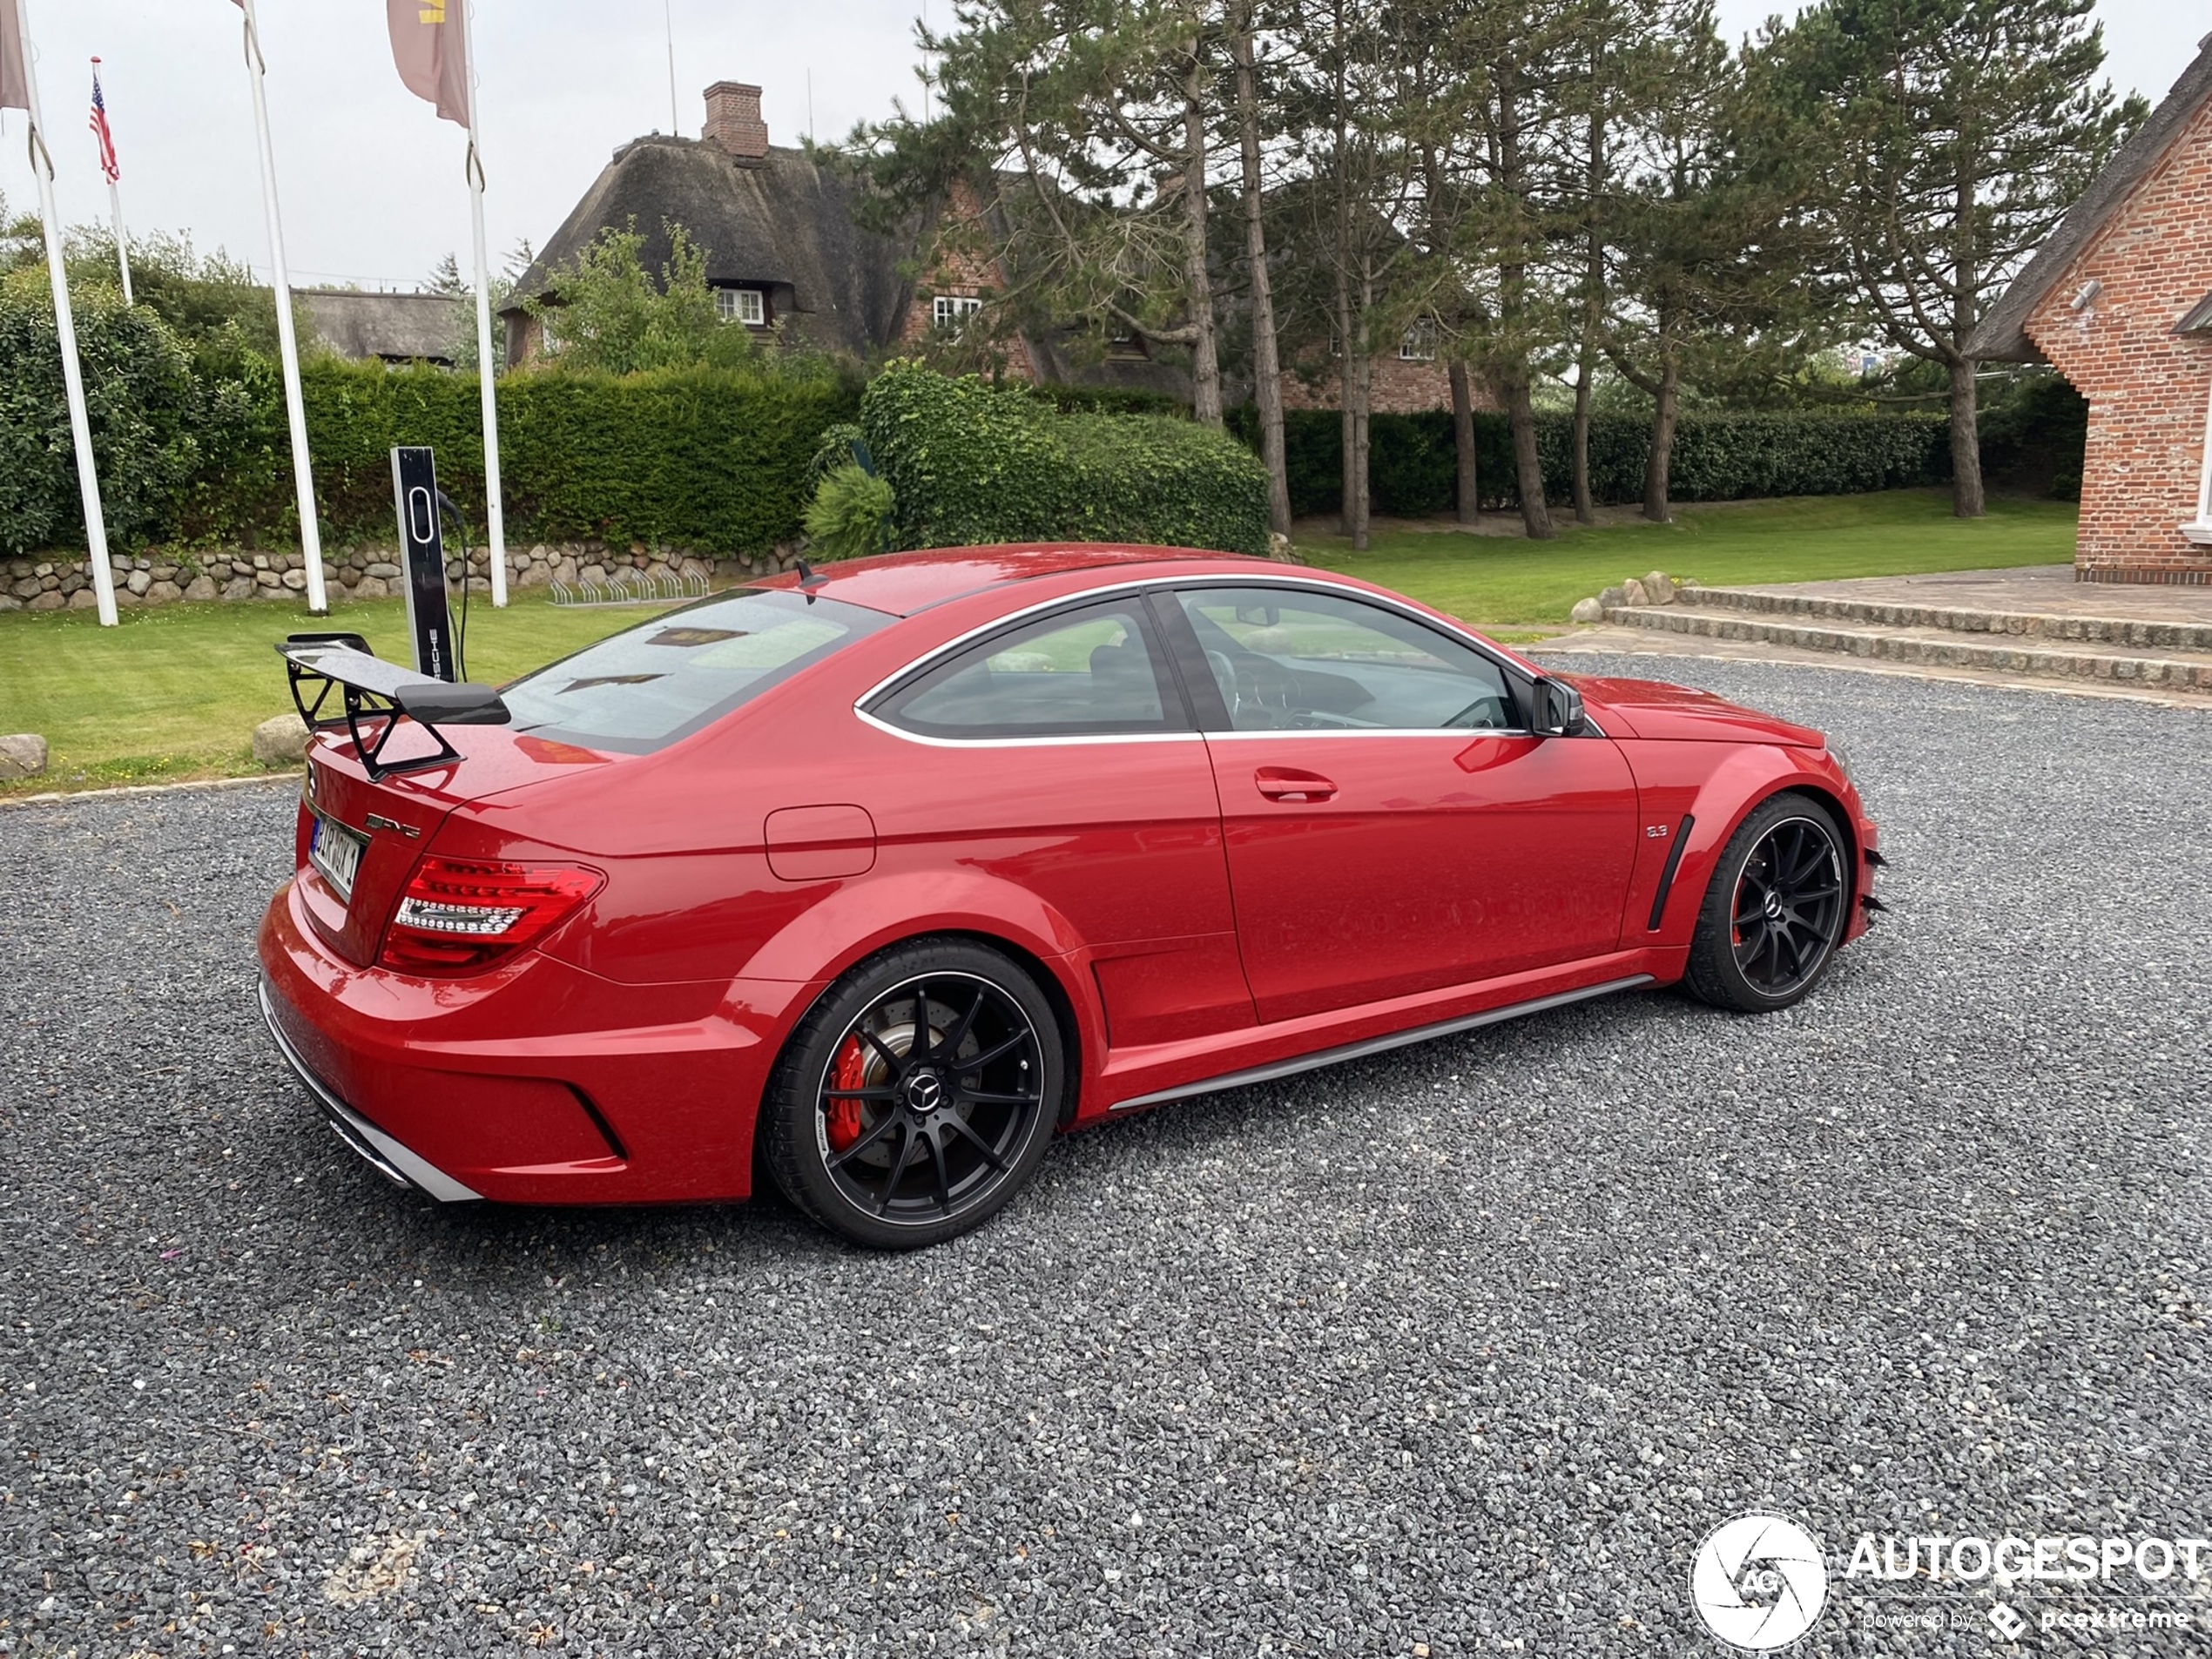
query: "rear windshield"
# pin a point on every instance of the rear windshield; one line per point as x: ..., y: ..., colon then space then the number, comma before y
x: 666, y: 678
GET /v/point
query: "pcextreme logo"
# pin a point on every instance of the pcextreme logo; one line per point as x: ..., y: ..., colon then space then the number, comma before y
x: 1758, y: 1582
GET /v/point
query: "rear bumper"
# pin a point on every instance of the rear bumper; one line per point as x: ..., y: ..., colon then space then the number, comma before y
x: 390, y: 1159
x: 536, y: 1082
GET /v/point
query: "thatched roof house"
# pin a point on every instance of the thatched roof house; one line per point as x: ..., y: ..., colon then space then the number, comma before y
x: 777, y: 231
x: 783, y: 247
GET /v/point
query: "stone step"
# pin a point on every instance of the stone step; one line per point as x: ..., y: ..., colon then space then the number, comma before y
x: 1936, y: 646
x: 2024, y: 624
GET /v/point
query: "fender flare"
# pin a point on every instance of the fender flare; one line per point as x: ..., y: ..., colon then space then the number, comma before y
x: 1736, y: 788
x: 850, y: 925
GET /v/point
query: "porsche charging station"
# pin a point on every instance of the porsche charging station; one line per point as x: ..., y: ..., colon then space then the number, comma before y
x: 430, y: 618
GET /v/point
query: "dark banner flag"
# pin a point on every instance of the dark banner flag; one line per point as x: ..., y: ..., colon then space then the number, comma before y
x: 430, y: 47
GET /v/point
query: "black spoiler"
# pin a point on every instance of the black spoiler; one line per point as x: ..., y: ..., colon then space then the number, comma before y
x: 373, y: 690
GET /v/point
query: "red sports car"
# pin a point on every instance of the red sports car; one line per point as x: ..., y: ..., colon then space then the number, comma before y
x: 874, y: 878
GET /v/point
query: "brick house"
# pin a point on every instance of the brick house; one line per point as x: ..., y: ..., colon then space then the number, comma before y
x: 2120, y: 301
x: 1411, y: 381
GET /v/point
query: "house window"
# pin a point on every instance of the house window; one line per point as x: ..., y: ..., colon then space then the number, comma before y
x: 1418, y: 345
x: 947, y: 310
x: 747, y: 305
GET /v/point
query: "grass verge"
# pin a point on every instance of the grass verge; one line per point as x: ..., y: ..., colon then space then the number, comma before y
x: 174, y: 693
x: 1488, y: 579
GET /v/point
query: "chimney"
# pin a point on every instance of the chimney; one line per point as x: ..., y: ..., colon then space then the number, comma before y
x: 733, y: 121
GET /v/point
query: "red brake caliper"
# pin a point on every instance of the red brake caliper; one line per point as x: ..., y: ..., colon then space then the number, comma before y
x: 841, y: 1118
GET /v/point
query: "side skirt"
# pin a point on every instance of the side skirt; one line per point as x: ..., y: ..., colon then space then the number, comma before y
x: 1383, y: 1044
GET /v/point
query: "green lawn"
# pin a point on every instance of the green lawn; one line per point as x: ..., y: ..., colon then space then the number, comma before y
x: 1492, y: 579
x: 175, y: 692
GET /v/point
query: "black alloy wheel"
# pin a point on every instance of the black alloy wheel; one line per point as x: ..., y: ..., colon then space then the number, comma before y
x: 1775, y: 910
x: 917, y: 1095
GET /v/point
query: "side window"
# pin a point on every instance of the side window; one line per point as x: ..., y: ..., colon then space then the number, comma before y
x: 1289, y: 659
x: 1092, y: 672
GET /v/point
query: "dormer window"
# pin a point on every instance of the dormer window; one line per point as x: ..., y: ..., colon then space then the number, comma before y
x: 948, y: 311
x: 747, y: 305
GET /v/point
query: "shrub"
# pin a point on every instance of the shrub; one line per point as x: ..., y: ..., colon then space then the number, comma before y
x: 141, y: 400
x: 2034, y: 436
x: 832, y: 450
x: 970, y: 462
x: 610, y: 315
x: 1412, y: 465
x: 850, y: 516
x: 1110, y: 400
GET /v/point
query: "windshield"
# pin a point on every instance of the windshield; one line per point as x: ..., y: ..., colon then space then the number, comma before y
x: 666, y: 678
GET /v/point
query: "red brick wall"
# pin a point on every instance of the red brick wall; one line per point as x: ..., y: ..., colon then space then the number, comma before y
x: 1400, y: 387
x: 956, y: 269
x: 2147, y: 386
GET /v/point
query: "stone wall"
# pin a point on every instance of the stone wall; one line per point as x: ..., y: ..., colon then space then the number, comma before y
x: 165, y: 578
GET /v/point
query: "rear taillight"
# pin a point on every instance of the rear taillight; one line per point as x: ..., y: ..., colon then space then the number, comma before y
x: 458, y: 915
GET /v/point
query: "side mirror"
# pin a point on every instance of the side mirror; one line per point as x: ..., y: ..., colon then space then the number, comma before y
x: 1555, y: 709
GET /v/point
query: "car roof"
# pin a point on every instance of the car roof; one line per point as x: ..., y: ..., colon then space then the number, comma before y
x: 902, y: 583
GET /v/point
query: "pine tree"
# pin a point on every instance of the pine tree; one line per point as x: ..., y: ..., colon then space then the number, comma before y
x: 1935, y: 143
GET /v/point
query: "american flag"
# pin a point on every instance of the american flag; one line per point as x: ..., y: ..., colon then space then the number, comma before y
x: 108, y: 163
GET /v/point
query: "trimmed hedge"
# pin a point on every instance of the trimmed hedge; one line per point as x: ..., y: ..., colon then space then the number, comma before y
x: 1717, y: 457
x: 1110, y: 400
x: 713, y: 460
x: 970, y: 462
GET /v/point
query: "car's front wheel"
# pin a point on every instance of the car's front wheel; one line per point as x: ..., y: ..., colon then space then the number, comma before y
x: 917, y: 1095
x: 1774, y: 910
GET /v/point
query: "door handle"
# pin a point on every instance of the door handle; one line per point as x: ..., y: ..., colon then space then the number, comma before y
x: 1289, y: 783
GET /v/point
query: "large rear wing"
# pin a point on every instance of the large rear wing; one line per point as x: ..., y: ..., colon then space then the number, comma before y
x: 373, y: 697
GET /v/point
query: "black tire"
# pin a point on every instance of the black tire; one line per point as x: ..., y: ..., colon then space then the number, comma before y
x: 895, y: 1141
x: 1775, y: 909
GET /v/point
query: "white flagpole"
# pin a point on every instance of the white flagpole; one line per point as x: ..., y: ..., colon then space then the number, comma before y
x: 80, y: 424
x: 115, y: 209
x: 494, y: 512
x: 122, y: 247
x: 303, y: 477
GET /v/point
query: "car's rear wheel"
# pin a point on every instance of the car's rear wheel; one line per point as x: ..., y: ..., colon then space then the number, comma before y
x: 1774, y: 910
x: 917, y: 1095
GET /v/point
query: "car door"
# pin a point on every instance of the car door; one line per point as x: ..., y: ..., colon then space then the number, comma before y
x: 1058, y: 754
x: 1390, y: 826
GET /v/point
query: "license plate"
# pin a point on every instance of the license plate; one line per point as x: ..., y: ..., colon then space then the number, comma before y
x: 336, y: 852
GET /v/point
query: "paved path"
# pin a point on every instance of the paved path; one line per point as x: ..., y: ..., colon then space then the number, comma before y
x: 2040, y: 590
x: 1467, y: 1346
x: 1680, y: 651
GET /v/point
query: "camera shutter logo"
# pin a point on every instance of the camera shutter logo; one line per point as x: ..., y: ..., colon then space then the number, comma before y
x: 1758, y: 1582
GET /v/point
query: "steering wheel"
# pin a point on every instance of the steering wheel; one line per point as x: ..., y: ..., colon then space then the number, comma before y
x: 1225, y: 676
x: 1487, y: 701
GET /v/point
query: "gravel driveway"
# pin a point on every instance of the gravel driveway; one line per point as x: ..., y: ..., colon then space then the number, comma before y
x: 1460, y: 1350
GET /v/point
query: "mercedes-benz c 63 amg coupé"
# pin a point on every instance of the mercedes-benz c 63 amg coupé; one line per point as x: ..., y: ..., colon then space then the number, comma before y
x: 869, y: 882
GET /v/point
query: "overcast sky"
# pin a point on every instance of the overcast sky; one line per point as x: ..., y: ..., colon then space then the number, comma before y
x: 371, y: 180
